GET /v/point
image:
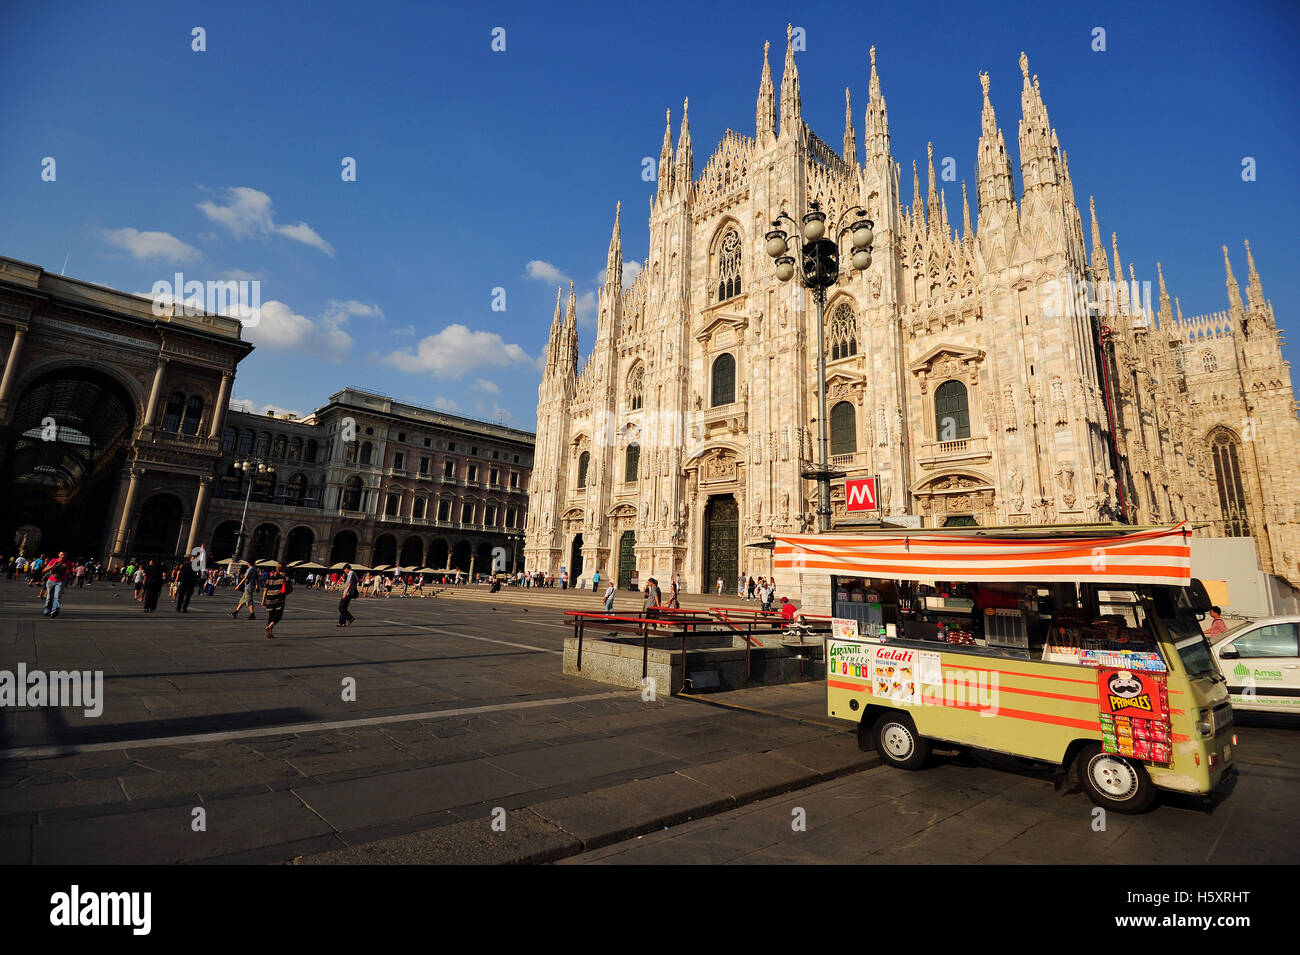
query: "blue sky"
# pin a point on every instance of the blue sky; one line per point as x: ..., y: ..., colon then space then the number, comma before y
x: 471, y: 164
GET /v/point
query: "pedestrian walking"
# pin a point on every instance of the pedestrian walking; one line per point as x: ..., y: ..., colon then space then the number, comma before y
x: 349, y: 592
x: 247, y: 587
x: 609, y: 597
x: 278, y: 588
x: 185, y: 586
x: 673, y: 603
x: 595, y: 581
x: 153, y: 585
x: 719, y: 586
x: 138, y: 579
x: 56, y: 576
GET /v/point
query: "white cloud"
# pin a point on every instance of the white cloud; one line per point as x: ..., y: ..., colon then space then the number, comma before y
x: 151, y: 245
x: 455, y: 350
x: 250, y: 407
x: 247, y: 211
x: 238, y: 275
x: 445, y: 404
x: 545, y: 271
x: 278, y: 326
x: 491, y: 387
x: 630, y: 271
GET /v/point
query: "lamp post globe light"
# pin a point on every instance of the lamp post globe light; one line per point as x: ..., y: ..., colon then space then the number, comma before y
x: 819, y: 269
x: 252, y: 467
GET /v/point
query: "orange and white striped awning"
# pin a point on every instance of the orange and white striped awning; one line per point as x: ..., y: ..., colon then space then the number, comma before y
x: 1160, y: 555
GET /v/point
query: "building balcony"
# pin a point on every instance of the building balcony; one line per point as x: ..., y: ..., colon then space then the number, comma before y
x: 729, y: 418
x: 850, y: 462
x: 974, y: 450
x: 175, y: 441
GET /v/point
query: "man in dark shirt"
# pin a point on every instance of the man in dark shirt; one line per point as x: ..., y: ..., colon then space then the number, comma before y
x: 277, y: 589
x: 185, y: 587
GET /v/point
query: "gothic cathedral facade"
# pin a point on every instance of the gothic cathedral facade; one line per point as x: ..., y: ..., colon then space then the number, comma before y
x: 1007, y: 372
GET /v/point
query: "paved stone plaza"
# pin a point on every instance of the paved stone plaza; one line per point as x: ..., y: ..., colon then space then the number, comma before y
x: 461, y: 709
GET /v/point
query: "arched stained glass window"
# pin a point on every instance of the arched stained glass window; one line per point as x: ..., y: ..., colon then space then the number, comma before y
x: 729, y: 256
x: 951, y: 411
x: 636, y: 387
x: 632, y: 462
x: 1209, y: 360
x: 842, y: 336
x: 1225, y: 450
x: 724, y: 380
x: 584, y: 462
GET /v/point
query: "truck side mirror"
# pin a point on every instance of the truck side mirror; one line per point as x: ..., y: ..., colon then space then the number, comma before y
x: 1199, y: 597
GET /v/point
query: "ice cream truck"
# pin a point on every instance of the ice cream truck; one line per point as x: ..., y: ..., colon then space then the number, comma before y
x: 1077, y: 646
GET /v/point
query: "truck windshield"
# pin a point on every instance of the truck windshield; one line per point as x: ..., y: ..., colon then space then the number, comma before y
x: 1174, y: 607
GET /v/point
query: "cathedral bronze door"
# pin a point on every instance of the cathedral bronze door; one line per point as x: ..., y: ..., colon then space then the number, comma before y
x: 721, y: 543
x: 626, y: 558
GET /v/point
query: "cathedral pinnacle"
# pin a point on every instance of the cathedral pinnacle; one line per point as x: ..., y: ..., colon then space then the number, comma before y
x: 765, y: 115
x: 877, y: 119
x: 932, y: 196
x: 1254, y: 288
x: 850, y: 140
x: 997, y: 191
x: 1234, y: 293
x: 791, y: 105
x: 1100, y: 264
x: 553, y: 341
x: 965, y: 212
x: 684, y: 175
x: 666, y: 158
x: 1166, y: 313
x: 918, y: 205
x: 614, y: 263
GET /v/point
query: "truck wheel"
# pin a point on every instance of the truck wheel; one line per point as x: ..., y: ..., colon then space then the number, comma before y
x: 1114, y: 782
x: 898, y: 743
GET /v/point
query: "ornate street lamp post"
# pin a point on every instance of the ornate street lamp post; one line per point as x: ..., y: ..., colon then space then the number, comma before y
x: 819, y: 258
x: 252, y: 467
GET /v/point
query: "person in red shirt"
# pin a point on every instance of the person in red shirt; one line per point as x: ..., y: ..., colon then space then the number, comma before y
x: 787, y: 610
x: 56, y: 575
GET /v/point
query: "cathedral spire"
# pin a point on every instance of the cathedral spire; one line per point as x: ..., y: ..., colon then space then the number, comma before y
x: 996, y: 188
x: 1037, y: 155
x: 1166, y: 313
x: 965, y: 212
x: 943, y: 216
x: 1234, y: 293
x: 850, y: 140
x: 614, y: 262
x: 765, y: 115
x: 684, y: 175
x: 1254, y: 288
x: 1121, y: 290
x: 666, y: 158
x: 570, y: 345
x: 791, y: 105
x: 553, y: 340
x: 877, y: 119
x: 918, y: 205
x: 932, y: 197
x: 1100, y: 264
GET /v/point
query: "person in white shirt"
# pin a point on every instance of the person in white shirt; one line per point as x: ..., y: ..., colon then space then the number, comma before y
x: 609, y: 598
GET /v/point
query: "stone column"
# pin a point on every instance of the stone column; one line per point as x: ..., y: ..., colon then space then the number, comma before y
x: 223, y: 399
x: 151, y: 410
x: 124, y: 523
x: 11, y: 365
x: 200, y: 510
x: 283, y: 550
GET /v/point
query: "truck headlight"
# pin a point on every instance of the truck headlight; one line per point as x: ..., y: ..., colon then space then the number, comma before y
x: 1205, y: 725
